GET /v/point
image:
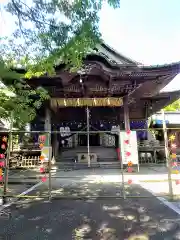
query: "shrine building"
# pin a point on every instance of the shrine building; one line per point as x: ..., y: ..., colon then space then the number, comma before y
x: 117, y: 91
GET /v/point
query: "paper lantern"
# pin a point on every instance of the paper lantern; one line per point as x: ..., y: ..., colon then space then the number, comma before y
x: 129, y: 164
x: 41, y: 158
x: 129, y: 181
x: 4, y: 139
x: 2, y: 164
x: 1, y: 178
x: 1, y: 172
x: 43, y: 179
x: 126, y: 141
x: 2, y: 155
x: 129, y: 170
x: 177, y: 181
x: 41, y: 145
x: 3, y: 146
x: 128, y: 154
x: 172, y: 138
x: 42, y: 170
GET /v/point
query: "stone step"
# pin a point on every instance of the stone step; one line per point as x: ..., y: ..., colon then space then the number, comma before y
x: 109, y: 165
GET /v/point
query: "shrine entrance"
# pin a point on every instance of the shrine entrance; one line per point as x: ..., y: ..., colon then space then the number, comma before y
x: 94, y: 139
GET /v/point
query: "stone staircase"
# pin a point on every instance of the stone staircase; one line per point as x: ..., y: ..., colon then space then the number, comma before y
x: 104, y: 154
x: 106, y: 158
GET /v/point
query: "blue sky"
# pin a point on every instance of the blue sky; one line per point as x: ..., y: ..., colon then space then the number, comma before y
x: 147, y: 31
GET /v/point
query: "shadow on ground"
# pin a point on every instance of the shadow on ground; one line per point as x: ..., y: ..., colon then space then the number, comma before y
x: 104, y: 218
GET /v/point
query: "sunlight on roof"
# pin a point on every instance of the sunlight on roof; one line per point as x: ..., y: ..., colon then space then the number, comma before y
x: 174, y: 85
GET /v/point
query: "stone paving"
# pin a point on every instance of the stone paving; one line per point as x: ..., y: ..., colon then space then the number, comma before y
x: 100, y: 217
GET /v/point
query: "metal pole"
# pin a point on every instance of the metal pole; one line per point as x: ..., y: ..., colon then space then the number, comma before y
x: 88, y: 150
x: 6, y: 171
x: 167, y: 155
x: 48, y: 128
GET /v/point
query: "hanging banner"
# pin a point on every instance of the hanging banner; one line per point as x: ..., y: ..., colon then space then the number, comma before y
x: 129, y: 148
x: 46, y: 152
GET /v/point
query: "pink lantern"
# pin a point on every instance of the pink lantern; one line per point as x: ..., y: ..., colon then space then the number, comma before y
x: 43, y: 179
x: 42, y: 170
x: 1, y: 178
x: 2, y: 155
x: 2, y: 164
x: 129, y: 170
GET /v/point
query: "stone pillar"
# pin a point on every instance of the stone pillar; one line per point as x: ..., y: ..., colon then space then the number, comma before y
x: 126, y: 113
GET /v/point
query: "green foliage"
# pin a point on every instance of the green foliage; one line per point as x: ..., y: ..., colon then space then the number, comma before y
x: 53, y: 31
x: 17, y: 99
x: 47, y: 33
x: 175, y: 106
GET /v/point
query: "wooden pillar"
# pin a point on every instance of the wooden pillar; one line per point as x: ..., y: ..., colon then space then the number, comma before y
x: 126, y: 113
x: 47, y: 124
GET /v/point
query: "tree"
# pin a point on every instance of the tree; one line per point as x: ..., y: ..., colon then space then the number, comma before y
x: 47, y: 33
x: 175, y: 106
x: 54, y: 30
x: 17, y: 101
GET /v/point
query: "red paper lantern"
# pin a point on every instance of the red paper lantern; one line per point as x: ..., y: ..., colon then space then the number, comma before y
x: 1, y: 178
x: 128, y: 154
x: 126, y: 141
x: 177, y: 181
x: 129, y: 170
x: 129, y: 181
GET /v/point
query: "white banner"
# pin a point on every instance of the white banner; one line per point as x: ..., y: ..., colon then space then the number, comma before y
x: 129, y: 148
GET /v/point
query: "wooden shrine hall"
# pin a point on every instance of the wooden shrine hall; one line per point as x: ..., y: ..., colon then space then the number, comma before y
x: 117, y: 91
